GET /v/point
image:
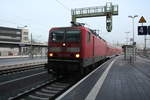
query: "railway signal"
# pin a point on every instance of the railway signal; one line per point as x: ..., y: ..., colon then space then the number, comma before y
x: 109, y: 10
x: 109, y: 22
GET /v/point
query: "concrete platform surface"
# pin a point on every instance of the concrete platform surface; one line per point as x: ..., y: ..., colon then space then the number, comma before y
x: 9, y: 63
x: 117, y: 79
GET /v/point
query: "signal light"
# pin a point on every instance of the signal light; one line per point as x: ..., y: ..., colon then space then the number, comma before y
x: 51, y: 54
x: 77, y: 55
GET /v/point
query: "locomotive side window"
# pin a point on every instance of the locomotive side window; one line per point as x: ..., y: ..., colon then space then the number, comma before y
x: 57, y: 36
x: 88, y: 36
x: 72, y: 36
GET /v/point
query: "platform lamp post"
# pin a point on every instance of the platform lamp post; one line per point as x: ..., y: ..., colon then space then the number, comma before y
x: 134, y: 43
x: 133, y: 17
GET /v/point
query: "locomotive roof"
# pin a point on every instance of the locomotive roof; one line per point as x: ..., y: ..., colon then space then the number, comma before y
x: 94, y: 32
x: 82, y: 27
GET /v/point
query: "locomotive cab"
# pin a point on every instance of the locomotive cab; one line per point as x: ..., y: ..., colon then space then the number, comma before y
x: 64, y: 49
x: 76, y: 48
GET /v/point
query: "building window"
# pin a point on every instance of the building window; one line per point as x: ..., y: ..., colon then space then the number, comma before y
x: 18, y: 32
x: 25, y: 38
x: 25, y: 33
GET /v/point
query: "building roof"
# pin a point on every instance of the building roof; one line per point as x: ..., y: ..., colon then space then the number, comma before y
x: 9, y: 28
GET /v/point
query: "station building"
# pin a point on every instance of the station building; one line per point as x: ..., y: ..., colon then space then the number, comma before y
x: 13, y: 35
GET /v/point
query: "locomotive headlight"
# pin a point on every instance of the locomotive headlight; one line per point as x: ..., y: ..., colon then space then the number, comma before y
x: 64, y: 44
x: 77, y: 55
x: 51, y: 54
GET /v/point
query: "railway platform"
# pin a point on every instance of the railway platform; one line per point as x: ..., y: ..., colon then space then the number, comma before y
x: 19, y: 61
x: 117, y: 79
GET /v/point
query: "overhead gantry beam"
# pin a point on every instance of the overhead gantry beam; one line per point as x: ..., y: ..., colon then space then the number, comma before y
x: 109, y: 10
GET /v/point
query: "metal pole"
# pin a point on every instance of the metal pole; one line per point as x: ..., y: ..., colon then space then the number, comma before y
x: 133, y: 41
x: 145, y: 42
x: 133, y: 36
x: 31, y: 47
x: 133, y: 28
x: 145, y: 53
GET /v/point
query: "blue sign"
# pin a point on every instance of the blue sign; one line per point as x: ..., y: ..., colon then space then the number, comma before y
x: 148, y: 30
x: 142, y: 30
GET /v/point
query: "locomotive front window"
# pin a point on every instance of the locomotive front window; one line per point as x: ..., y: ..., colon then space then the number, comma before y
x: 57, y: 36
x: 72, y: 36
x: 65, y: 36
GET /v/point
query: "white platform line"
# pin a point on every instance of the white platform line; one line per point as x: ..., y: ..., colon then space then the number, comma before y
x: 95, y: 90
x: 145, y: 59
x: 74, y: 86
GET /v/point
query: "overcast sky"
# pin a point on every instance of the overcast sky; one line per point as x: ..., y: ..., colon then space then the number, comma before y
x: 41, y: 15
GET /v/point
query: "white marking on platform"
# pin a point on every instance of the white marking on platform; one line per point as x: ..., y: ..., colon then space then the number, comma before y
x: 61, y: 96
x: 145, y: 59
x: 95, y: 90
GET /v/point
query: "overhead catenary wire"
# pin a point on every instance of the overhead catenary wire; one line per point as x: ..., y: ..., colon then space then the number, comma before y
x: 64, y: 6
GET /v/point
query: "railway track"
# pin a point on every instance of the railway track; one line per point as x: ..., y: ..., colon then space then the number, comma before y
x: 20, y: 67
x: 35, y: 84
x: 32, y: 84
x: 46, y: 91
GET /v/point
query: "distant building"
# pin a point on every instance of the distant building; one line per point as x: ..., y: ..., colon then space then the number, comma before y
x: 14, y: 35
x: 24, y: 35
x: 8, y: 34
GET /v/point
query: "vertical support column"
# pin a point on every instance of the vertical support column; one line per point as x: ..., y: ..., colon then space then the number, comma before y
x: 74, y: 19
x: 109, y: 11
x: 20, y: 50
x: 73, y: 15
x: 145, y: 42
x: 109, y: 22
x: 145, y: 52
x: 31, y: 48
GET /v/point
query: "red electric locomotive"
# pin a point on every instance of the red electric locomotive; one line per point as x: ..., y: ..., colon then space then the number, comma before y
x: 74, y: 49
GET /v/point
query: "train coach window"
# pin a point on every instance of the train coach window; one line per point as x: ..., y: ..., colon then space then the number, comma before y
x: 88, y: 36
